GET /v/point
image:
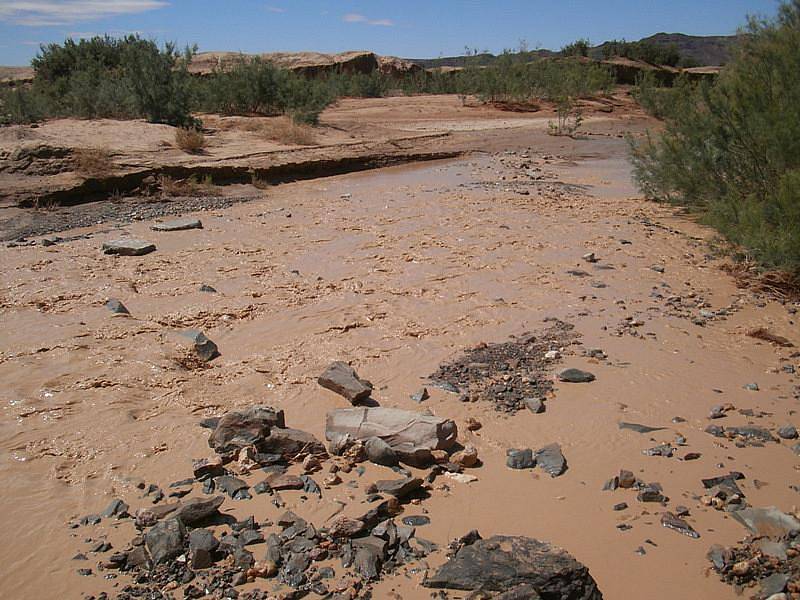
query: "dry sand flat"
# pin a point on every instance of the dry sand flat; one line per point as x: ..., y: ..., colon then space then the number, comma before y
x: 397, y: 271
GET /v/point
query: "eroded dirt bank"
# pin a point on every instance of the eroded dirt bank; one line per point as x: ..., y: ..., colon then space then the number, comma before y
x: 399, y: 271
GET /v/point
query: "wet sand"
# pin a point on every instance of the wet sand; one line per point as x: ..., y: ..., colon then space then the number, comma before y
x: 396, y: 270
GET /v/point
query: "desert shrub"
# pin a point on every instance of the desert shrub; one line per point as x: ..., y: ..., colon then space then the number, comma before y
x: 660, y: 100
x: 249, y: 86
x: 732, y: 151
x: 546, y: 79
x: 114, y: 77
x: 287, y: 131
x: 252, y: 86
x: 21, y: 105
x: 305, y: 99
x: 193, y: 186
x: 93, y: 162
x: 657, y: 54
x: 576, y: 48
x: 568, y: 119
x: 190, y: 139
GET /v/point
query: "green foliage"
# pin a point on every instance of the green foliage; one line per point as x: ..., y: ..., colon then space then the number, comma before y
x: 576, y: 48
x: 21, y: 105
x: 660, y: 100
x: 252, y: 86
x: 731, y: 149
x: 114, y: 77
x: 545, y: 79
x: 656, y: 54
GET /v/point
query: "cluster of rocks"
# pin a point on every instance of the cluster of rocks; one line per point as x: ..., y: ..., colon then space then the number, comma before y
x: 767, y: 561
x: 745, y: 435
x: 191, y: 544
x: 512, y: 375
x: 645, y: 492
x: 549, y: 458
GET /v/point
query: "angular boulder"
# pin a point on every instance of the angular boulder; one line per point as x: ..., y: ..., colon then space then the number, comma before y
x: 198, y: 510
x: 342, y: 379
x: 411, y: 435
x: 165, y: 540
x: 240, y: 429
x: 203, y: 347
x: 290, y: 443
x: 502, y: 563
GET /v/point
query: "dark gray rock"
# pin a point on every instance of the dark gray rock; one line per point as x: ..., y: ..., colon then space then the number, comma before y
x: 117, y: 307
x: 535, y: 405
x: 551, y: 459
x: 788, y: 432
x: 399, y: 488
x: 670, y: 521
x: 774, y: 584
x: 520, y: 459
x: 342, y: 379
x: 202, y: 546
x: 416, y: 520
x: 380, y: 453
x: 575, y: 376
x: 289, y: 443
x: 117, y: 508
x: 421, y: 395
x: 240, y: 429
x: 203, y: 347
x: 751, y: 432
x: 178, y: 225
x: 198, y: 510
x: 274, y: 552
x: 650, y: 493
x: 128, y: 247
x: 501, y: 563
x: 164, y: 540
x: 208, y: 289
x: 520, y: 592
x: 230, y: 485
x: 717, y: 412
x: 767, y: 522
x: 640, y: 428
x: 367, y: 562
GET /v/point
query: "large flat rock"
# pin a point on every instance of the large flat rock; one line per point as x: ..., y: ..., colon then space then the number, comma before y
x: 502, y: 563
x: 410, y: 434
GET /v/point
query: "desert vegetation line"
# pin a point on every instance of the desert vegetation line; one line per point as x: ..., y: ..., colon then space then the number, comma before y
x: 130, y: 77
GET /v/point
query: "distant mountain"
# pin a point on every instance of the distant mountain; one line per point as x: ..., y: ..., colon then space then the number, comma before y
x: 704, y: 50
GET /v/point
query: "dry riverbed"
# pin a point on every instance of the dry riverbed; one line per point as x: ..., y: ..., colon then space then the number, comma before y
x: 478, y: 278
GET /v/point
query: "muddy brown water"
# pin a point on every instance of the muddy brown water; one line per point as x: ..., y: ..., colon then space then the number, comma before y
x: 396, y: 270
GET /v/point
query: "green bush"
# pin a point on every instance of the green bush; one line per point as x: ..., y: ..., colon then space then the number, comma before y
x: 660, y: 100
x: 21, y: 105
x: 656, y: 54
x: 252, y: 86
x: 576, y: 48
x: 105, y: 77
x: 731, y: 150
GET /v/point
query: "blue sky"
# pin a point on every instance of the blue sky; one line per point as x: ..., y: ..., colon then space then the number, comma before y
x: 408, y: 28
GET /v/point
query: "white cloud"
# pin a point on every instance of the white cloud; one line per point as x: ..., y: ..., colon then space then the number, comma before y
x: 357, y: 18
x: 275, y: 9
x: 42, y: 13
